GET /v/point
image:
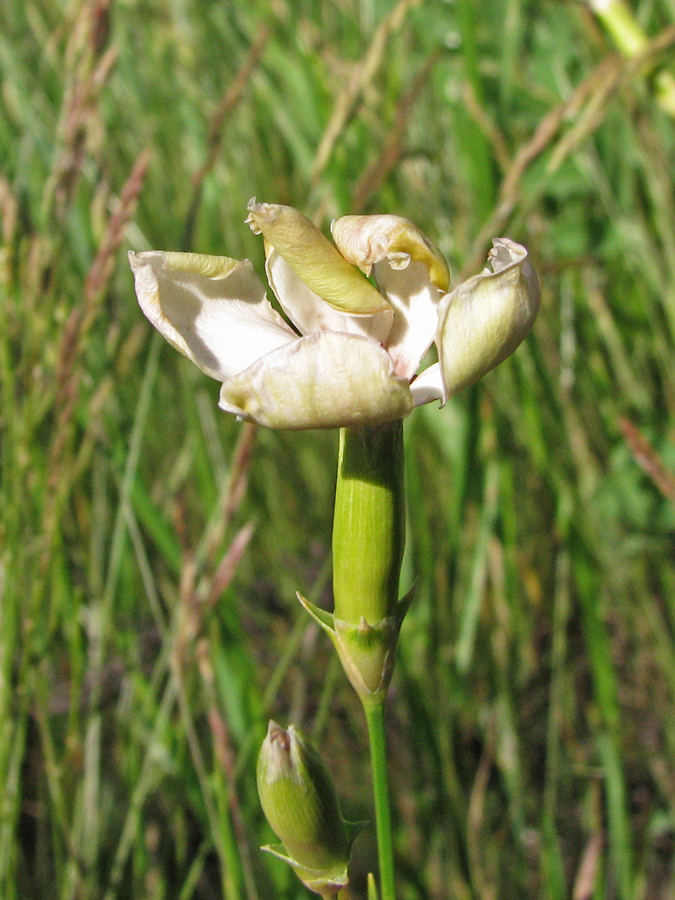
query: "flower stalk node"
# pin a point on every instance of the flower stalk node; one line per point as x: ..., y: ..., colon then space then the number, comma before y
x: 367, y: 651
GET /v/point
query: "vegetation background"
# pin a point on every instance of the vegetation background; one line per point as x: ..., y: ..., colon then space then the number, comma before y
x: 151, y: 547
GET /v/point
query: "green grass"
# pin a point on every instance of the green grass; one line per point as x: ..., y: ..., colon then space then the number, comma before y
x: 151, y: 547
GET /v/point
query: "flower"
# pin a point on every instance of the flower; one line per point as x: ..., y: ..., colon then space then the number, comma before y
x: 348, y: 352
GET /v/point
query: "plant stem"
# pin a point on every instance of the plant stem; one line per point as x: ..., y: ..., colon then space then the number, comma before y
x: 631, y: 40
x: 378, y: 761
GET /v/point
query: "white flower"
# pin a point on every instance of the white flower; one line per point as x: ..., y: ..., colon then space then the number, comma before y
x: 349, y: 352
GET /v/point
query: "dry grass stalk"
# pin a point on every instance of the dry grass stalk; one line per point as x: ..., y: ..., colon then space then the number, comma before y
x: 371, y: 180
x: 62, y: 471
x: 586, y: 109
x: 649, y: 460
x: 104, y: 262
x: 363, y: 74
x: 82, y: 317
x: 78, y: 118
x: 228, y: 103
x: 224, y: 756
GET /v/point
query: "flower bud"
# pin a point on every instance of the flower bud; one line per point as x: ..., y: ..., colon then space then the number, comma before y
x: 314, y: 259
x: 300, y: 802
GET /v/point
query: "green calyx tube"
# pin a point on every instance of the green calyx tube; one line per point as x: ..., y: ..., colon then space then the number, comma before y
x: 369, y: 522
x: 368, y: 544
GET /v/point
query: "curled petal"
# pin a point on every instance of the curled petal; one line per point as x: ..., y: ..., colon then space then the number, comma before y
x: 366, y: 240
x: 211, y: 308
x: 325, y: 380
x: 308, y: 312
x: 484, y: 319
x: 409, y: 270
x: 314, y: 259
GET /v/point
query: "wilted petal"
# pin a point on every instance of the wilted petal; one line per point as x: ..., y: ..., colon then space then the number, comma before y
x: 211, y: 308
x: 309, y: 313
x: 314, y: 259
x: 484, y: 319
x: 409, y: 270
x: 366, y: 240
x: 325, y: 380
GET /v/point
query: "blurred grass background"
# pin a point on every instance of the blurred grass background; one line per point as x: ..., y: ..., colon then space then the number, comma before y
x: 151, y: 547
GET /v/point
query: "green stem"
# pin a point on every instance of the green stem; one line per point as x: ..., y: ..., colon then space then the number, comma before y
x: 378, y: 760
x: 368, y: 543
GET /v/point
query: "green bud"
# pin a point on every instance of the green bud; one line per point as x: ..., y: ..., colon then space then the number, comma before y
x: 314, y: 259
x: 300, y: 802
x: 618, y: 19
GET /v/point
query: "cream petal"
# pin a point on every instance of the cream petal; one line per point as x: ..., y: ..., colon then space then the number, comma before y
x: 309, y: 313
x: 325, y: 380
x: 414, y: 300
x: 366, y: 240
x: 409, y: 270
x: 484, y: 319
x: 211, y: 308
x: 314, y: 258
x: 428, y: 386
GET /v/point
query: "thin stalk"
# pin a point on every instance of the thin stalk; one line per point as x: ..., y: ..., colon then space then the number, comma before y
x: 378, y: 761
x: 628, y: 36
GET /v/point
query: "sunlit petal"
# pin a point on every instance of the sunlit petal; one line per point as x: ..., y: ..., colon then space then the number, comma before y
x: 366, y: 240
x: 408, y: 269
x: 326, y: 380
x: 309, y: 313
x: 414, y: 300
x: 428, y: 386
x: 312, y: 256
x: 483, y: 320
x: 211, y: 308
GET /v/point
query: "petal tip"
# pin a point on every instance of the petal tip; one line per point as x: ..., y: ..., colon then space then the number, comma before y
x: 505, y: 253
x: 140, y: 259
x: 253, y: 208
x: 262, y: 215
